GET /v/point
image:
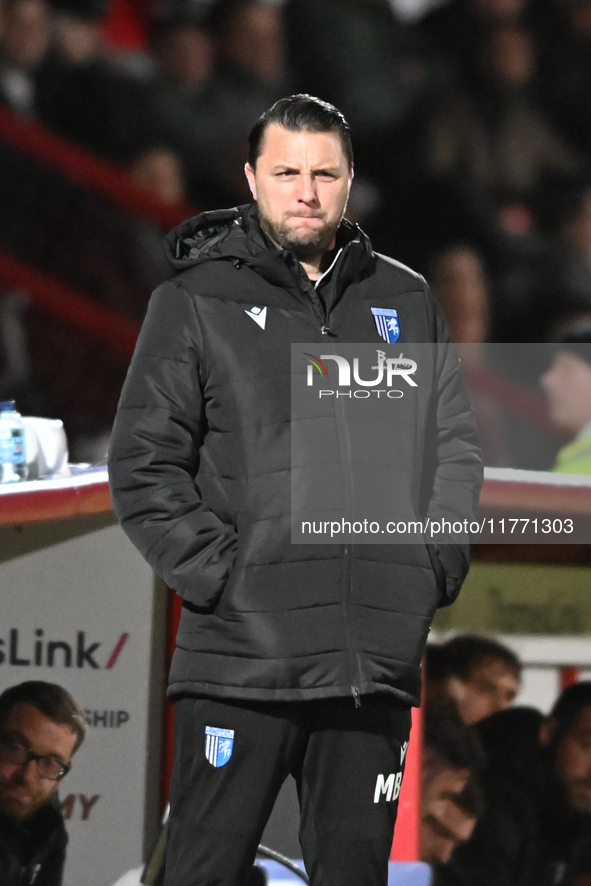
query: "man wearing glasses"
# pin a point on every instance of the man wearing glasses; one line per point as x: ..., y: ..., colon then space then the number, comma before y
x: 41, y: 727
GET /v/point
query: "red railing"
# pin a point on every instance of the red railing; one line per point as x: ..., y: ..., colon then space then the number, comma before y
x: 82, y: 167
x: 65, y: 303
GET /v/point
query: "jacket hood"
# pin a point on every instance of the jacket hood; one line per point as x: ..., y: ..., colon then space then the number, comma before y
x: 236, y: 234
x: 210, y: 235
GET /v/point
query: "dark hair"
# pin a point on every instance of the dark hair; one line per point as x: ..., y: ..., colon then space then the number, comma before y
x: 220, y: 13
x: 84, y: 10
x: 568, y: 707
x: 435, y: 662
x: 299, y: 113
x: 462, y: 654
x: 174, y: 21
x: 452, y: 741
x: 49, y: 698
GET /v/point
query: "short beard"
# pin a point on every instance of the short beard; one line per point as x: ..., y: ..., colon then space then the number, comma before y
x: 315, y: 243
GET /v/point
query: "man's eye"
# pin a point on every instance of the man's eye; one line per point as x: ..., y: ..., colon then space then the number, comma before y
x: 325, y: 175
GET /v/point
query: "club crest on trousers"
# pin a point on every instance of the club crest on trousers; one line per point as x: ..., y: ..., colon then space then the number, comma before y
x: 219, y: 744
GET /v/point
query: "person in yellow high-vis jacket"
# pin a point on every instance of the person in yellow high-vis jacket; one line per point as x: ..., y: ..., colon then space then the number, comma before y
x: 567, y: 385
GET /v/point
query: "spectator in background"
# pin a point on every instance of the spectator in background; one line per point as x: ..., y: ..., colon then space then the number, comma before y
x: 567, y: 385
x: 556, y: 278
x: 459, y: 284
x: 158, y: 170
x: 24, y: 41
x: 249, y: 41
x: 41, y: 727
x: 479, y: 675
x: 448, y: 32
x: 85, y: 94
x: 250, y: 75
x: 536, y: 826
x: 218, y: 66
x: 564, y: 82
x: 451, y: 799
x: 360, y: 56
x: 184, y: 52
x: 177, y: 104
x: 488, y: 136
x: 78, y: 34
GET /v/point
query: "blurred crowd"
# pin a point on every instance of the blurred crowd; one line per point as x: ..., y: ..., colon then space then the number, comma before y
x: 505, y: 790
x: 471, y: 128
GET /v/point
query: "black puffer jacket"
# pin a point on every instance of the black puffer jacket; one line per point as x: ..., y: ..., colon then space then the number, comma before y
x: 34, y: 850
x: 200, y: 471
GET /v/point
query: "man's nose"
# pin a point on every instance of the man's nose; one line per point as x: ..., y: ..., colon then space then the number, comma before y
x: 28, y: 771
x: 307, y: 187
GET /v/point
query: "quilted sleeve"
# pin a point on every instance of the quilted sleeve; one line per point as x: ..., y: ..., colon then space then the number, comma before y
x: 154, y: 453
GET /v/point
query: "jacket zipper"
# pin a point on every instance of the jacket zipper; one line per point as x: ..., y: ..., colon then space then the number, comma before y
x: 322, y: 314
x: 350, y: 645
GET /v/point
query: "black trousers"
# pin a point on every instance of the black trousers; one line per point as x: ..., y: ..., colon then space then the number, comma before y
x: 231, y: 760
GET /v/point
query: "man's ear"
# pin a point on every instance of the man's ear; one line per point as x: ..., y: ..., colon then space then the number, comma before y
x: 548, y: 730
x: 249, y: 173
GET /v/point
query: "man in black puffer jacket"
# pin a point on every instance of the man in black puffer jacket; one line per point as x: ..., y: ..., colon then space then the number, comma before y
x: 291, y: 657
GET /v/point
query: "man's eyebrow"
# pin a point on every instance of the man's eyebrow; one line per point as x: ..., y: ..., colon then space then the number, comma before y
x: 14, y: 733
x: 290, y: 167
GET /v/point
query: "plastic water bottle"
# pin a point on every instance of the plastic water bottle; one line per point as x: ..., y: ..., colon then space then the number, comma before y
x: 13, y: 461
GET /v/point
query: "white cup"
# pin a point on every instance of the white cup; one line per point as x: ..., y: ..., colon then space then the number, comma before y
x: 46, y: 446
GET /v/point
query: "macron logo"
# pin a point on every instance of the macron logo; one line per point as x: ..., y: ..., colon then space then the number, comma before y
x: 259, y: 315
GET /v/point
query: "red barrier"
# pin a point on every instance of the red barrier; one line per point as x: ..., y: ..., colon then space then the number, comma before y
x: 67, y: 304
x: 175, y: 605
x: 569, y: 674
x: 406, y: 838
x: 46, y: 500
x: 125, y: 25
x: 83, y: 168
